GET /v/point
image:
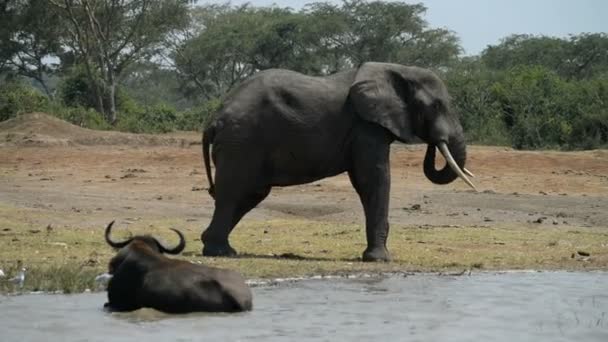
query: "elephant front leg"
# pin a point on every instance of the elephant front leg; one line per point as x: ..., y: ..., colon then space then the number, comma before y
x: 370, y: 176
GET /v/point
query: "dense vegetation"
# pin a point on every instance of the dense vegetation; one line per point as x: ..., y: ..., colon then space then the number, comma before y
x: 157, y: 66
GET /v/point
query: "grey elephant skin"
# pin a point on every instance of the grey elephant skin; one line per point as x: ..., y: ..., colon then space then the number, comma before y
x: 143, y: 277
x: 281, y: 128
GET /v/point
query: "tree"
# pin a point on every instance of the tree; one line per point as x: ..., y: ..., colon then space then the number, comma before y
x: 30, y: 40
x: 106, y: 36
x: 577, y: 57
x: 359, y: 31
x: 232, y: 43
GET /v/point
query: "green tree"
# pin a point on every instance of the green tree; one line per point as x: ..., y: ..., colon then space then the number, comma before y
x: 30, y: 36
x: 108, y: 35
x: 358, y: 31
x: 236, y: 42
x: 580, y: 56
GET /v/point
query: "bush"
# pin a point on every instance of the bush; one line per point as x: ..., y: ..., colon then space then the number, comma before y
x: 480, y: 115
x: 83, y: 117
x: 195, y: 119
x: 154, y: 119
x: 529, y: 107
x: 17, y: 97
x: 76, y: 90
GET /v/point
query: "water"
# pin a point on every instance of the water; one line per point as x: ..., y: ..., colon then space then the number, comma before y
x: 527, y: 306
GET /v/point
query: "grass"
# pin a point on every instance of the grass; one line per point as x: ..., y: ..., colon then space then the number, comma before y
x: 68, y: 258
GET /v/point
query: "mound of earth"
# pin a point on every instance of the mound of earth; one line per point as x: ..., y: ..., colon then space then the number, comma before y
x: 40, y: 129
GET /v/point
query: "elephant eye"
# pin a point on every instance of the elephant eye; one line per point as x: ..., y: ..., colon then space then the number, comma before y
x: 437, y: 106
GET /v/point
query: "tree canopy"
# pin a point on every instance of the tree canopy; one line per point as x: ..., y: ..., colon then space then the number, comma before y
x: 158, y: 65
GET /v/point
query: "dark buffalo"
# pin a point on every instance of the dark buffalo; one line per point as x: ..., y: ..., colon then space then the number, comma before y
x: 143, y: 277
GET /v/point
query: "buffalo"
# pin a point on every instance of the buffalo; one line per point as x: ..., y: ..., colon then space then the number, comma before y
x: 142, y: 276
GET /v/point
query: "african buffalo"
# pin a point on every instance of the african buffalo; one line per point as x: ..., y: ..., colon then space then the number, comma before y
x: 143, y: 277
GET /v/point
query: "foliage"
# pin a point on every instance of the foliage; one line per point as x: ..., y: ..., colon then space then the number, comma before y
x: 109, y: 35
x: 470, y: 88
x: 578, y: 57
x: 153, y: 119
x: 359, y: 31
x: 235, y: 42
x: 30, y: 36
x: 80, y: 116
x: 16, y: 97
x: 75, y: 89
x: 530, y: 107
x: 164, y: 65
x: 195, y: 119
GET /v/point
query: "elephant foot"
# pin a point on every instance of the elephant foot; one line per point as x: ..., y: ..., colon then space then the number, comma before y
x: 218, y: 250
x: 376, y: 254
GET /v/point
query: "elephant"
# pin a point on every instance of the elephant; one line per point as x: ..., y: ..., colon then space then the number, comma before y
x: 282, y: 128
x: 141, y: 276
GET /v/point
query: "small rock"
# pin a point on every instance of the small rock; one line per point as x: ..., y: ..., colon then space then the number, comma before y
x: 487, y: 219
x: 415, y: 207
x: 34, y: 231
x: 542, y: 193
x: 583, y: 253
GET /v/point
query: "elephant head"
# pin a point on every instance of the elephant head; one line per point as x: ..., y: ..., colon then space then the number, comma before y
x: 409, y: 102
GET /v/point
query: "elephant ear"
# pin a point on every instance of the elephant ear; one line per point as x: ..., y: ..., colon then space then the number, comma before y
x: 381, y: 94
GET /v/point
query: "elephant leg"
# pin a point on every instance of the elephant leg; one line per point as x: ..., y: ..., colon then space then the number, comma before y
x: 236, y: 194
x: 370, y: 176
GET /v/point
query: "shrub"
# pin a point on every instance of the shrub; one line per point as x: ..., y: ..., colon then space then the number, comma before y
x: 154, y: 119
x: 17, y: 97
x: 195, y: 119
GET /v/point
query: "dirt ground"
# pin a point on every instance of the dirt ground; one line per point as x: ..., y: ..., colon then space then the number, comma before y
x: 90, y: 182
x: 53, y: 173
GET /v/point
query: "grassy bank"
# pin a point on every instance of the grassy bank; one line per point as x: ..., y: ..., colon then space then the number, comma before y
x: 68, y: 258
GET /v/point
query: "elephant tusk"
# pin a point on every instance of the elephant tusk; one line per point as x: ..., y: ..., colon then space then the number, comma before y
x: 467, y: 172
x: 448, y: 157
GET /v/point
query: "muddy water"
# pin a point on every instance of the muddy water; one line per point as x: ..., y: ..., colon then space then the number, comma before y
x: 549, y: 306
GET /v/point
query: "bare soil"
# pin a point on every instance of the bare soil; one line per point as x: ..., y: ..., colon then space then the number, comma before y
x: 53, y: 173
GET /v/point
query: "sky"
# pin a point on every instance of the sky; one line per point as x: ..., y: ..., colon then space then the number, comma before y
x: 479, y: 23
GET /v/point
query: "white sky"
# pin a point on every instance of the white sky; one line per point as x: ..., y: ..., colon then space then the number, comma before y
x: 479, y: 23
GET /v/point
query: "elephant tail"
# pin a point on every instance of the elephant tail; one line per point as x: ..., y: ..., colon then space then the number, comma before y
x: 207, y: 137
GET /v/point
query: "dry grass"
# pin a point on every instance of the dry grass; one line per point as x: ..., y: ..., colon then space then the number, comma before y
x: 68, y: 258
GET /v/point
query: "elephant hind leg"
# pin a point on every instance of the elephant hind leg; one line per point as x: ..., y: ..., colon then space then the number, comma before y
x: 228, y: 212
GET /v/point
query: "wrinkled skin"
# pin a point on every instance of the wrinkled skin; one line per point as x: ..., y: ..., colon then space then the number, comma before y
x: 281, y: 128
x: 143, y: 277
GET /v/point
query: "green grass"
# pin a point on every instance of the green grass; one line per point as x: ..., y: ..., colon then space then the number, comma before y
x: 68, y: 258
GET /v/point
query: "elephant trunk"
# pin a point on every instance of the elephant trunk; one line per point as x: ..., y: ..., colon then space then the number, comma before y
x: 454, y: 150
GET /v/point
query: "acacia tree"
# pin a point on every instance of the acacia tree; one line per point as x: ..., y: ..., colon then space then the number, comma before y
x: 229, y: 44
x: 577, y: 57
x: 358, y: 31
x: 30, y: 40
x: 108, y: 35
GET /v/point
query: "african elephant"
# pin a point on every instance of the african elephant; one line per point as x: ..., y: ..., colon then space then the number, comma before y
x: 281, y: 128
x: 143, y: 277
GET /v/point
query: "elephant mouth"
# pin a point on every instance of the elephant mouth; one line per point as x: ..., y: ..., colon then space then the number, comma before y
x: 454, y: 167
